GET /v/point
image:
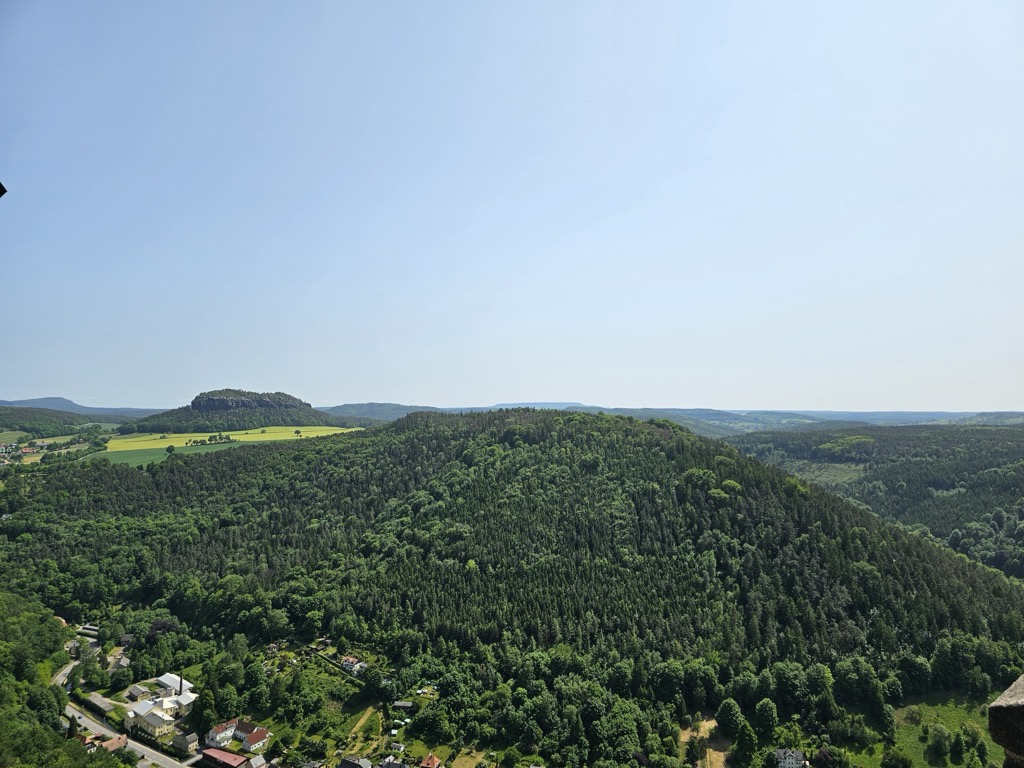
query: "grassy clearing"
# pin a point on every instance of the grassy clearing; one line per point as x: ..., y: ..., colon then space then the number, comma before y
x: 717, y: 746
x: 826, y: 474
x: 364, y: 736
x: 934, y: 708
x: 11, y: 436
x: 468, y: 759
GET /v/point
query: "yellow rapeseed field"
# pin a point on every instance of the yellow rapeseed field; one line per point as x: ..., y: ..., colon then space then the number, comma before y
x: 142, y: 441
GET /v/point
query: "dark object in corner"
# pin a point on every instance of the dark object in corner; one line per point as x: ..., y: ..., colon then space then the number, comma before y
x: 1006, y: 723
x: 3, y: 190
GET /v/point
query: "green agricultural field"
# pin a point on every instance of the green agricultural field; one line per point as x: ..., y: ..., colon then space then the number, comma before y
x: 148, y: 455
x: 150, y: 447
x: 11, y: 437
x: 149, y: 440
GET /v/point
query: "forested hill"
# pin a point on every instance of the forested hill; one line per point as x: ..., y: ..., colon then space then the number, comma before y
x: 551, y: 527
x: 964, y: 484
x: 578, y: 584
x: 236, y: 409
x: 40, y: 422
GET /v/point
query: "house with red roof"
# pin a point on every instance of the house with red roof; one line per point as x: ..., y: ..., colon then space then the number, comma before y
x: 221, y: 735
x: 218, y: 758
x: 257, y: 739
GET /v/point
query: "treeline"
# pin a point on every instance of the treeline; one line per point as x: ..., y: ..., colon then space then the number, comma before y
x: 616, y: 577
x: 962, y: 485
x: 41, y: 422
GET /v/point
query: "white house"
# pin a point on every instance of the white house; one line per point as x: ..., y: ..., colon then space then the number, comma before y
x: 220, y: 735
x: 789, y: 758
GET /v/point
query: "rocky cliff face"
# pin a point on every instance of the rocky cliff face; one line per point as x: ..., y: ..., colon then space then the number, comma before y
x: 236, y: 399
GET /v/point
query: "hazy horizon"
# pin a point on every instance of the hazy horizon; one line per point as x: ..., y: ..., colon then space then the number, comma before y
x: 790, y: 205
x: 545, y: 403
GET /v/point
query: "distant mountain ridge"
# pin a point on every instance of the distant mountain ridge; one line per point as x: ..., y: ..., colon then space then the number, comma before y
x: 69, y: 406
x: 709, y: 422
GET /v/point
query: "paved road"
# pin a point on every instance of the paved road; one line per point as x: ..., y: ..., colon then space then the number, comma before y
x: 151, y: 755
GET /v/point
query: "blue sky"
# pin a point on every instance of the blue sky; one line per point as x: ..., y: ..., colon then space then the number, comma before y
x: 733, y: 205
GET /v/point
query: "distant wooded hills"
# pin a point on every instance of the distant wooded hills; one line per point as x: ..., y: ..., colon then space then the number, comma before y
x: 40, y: 422
x: 69, y: 406
x: 709, y: 422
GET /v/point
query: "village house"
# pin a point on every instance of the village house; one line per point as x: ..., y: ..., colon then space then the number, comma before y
x: 790, y: 758
x: 218, y: 758
x: 221, y: 735
x: 118, y: 742
x: 186, y: 744
x: 174, y: 707
x: 155, y: 722
x: 88, y: 741
x: 431, y: 761
x: 355, y: 762
x: 256, y: 740
x: 252, y: 736
x: 137, y: 692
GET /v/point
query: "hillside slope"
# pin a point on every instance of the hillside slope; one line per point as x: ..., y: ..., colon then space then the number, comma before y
x: 40, y: 422
x: 576, y: 583
x: 964, y: 484
x: 573, y: 516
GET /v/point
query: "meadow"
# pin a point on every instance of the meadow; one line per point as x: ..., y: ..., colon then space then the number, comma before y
x: 934, y: 709
x: 149, y: 441
x: 150, y: 447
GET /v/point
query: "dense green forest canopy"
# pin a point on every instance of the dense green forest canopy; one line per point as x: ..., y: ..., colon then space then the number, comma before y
x: 226, y: 410
x: 581, y: 583
x: 41, y: 422
x: 962, y: 484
